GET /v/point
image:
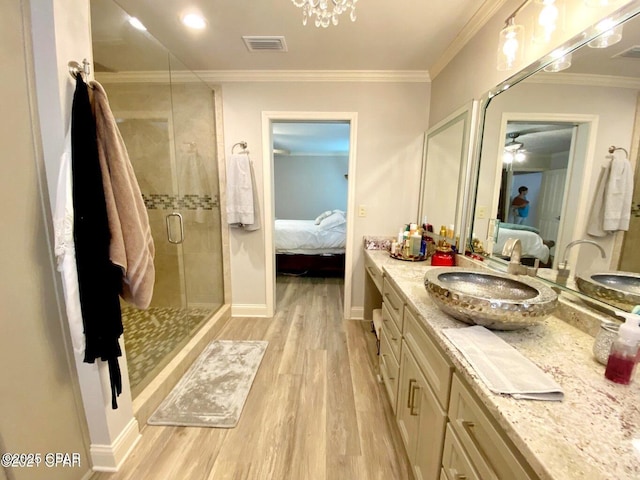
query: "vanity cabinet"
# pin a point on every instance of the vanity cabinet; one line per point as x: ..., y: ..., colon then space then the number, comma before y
x: 475, y: 441
x: 391, y: 340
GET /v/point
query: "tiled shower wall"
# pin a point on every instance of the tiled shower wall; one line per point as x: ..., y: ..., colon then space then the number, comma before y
x: 170, y: 136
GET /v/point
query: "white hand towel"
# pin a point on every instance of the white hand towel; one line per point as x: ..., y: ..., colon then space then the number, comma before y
x: 243, y: 208
x: 501, y: 367
x: 596, y: 218
x: 617, y: 198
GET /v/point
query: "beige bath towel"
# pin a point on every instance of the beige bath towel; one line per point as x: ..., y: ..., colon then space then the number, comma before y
x: 131, y: 245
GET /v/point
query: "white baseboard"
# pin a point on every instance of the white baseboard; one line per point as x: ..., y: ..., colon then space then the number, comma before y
x: 357, y: 313
x: 109, y: 458
x: 248, y: 310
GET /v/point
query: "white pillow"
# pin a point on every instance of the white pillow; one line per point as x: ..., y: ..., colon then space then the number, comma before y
x: 333, y: 220
x: 322, y: 216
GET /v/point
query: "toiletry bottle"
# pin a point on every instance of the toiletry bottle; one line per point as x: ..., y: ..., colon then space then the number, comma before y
x: 416, y: 242
x: 622, y: 358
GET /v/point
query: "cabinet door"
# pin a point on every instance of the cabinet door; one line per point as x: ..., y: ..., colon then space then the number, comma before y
x: 407, y: 423
x: 431, y: 429
x: 420, y: 418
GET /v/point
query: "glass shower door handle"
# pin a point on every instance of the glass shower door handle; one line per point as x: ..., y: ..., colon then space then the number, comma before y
x: 169, y: 231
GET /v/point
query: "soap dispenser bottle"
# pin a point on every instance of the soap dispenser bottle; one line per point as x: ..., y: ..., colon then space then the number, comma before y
x: 622, y: 358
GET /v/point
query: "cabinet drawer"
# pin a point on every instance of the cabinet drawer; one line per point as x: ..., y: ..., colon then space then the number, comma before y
x: 455, y: 463
x: 393, y: 334
x: 374, y: 272
x: 389, y: 369
x: 433, y: 364
x: 492, y: 453
x: 393, y: 301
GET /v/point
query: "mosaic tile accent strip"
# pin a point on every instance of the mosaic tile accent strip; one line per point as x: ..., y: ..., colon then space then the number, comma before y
x: 163, y: 201
x: 152, y: 335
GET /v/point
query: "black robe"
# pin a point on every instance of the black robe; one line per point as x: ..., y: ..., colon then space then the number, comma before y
x: 98, y: 279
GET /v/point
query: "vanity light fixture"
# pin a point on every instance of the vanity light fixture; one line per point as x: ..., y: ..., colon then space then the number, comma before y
x: 611, y: 34
x: 326, y: 12
x: 562, y: 61
x: 549, y: 20
x: 510, y: 45
x: 194, y: 21
x: 511, y: 41
x: 137, y: 24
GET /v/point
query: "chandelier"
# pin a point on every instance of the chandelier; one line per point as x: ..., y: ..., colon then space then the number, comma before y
x: 325, y: 11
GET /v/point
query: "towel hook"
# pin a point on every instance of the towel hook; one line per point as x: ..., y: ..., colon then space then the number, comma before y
x: 242, y: 144
x: 613, y: 148
x: 75, y: 68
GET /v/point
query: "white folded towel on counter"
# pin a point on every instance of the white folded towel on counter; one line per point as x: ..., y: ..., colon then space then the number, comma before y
x: 501, y: 367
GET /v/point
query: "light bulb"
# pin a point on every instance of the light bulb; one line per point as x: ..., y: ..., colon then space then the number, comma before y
x: 509, y: 49
x: 548, y: 19
x: 562, y: 62
x: 520, y: 157
x: 507, y: 157
x: 612, y: 34
x: 194, y: 21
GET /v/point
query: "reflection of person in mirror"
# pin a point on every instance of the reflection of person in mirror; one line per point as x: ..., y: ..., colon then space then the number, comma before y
x: 520, y: 206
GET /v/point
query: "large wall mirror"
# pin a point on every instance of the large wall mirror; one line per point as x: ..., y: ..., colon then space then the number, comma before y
x: 551, y: 134
x: 447, y: 151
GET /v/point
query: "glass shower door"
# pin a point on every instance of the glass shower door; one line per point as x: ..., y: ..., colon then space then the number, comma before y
x: 166, y: 117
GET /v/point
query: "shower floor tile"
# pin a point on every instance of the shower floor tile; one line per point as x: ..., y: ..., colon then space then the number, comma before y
x: 152, y: 338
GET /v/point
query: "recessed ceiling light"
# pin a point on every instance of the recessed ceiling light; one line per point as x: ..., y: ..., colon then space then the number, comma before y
x: 195, y: 21
x: 135, y: 23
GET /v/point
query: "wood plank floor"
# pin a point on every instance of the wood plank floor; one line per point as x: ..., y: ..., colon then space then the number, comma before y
x: 315, y: 410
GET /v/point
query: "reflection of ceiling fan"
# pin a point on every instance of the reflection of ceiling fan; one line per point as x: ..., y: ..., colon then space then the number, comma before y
x: 512, y: 146
x: 514, y: 150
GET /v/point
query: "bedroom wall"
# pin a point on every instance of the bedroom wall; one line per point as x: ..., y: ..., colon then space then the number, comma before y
x: 305, y: 185
x: 392, y: 118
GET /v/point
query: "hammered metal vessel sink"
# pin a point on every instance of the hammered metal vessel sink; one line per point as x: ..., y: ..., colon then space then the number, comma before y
x: 620, y: 289
x: 494, y: 300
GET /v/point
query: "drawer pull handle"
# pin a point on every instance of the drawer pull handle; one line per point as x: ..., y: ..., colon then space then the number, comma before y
x: 468, y: 427
x: 453, y: 473
x: 391, y: 303
x: 410, y: 391
x: 395, y: 339
x: 413, y: 400
x: 372, y: 272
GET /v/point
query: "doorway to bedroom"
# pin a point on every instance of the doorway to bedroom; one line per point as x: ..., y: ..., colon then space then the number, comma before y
x: 309, y: 184
x: 310, y: 178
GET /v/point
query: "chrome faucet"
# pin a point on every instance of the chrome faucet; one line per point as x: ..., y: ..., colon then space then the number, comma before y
x: 563, y: 268
x: 513, y: 249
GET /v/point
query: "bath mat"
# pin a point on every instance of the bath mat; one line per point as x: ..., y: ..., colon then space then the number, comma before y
x: 212, y: 393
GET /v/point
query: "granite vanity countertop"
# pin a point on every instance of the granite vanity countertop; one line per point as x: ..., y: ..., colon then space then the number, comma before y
x: 593, y: 434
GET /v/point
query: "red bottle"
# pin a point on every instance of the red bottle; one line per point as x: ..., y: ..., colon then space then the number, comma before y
x: 443, y: 257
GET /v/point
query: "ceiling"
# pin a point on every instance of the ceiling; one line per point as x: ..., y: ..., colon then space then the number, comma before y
x: 411, y: 36
x: 399, y: 35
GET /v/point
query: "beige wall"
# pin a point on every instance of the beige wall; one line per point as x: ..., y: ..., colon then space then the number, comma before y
x: 392, y: 118
x: 39, y: 401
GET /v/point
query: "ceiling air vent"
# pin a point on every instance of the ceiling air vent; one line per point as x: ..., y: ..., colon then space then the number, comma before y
x: 632, y: 52
x: 265, y: 44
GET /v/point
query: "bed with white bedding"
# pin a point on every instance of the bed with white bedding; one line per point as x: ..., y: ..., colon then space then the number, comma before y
x: 311, y: 246
x: 532, y: 244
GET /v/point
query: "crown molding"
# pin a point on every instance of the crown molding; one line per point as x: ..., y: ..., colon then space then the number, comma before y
x: 228, y: 76
x: 589, y: 80
x: 486, y: 11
